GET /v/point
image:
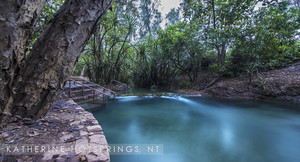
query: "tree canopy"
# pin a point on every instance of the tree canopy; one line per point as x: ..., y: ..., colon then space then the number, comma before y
x: 214, y: 37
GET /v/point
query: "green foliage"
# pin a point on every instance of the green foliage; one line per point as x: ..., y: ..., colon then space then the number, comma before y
x: 175, y: 51
x: 268, y: 40
x: 79, y: 67
x: 150, y: 17
x: 219, y: 20
x: 215, y: 37
x: 184, y: 85
x: 173, y: 17
x: 50, y: 8
x: 153, y: 68
x: 108, y: 52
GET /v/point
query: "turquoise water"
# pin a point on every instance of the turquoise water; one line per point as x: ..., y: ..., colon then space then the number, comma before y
x: 192, y: 129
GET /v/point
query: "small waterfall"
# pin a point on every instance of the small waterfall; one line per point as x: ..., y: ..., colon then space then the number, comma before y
x: 181, y: 99
x: 128, y: 98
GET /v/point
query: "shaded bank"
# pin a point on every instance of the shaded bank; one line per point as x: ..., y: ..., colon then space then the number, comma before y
x: 275, y: 85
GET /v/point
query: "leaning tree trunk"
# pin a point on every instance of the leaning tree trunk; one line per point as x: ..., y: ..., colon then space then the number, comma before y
x: 29, y: 90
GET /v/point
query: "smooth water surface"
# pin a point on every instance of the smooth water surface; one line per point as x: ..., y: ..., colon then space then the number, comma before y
x: 195, y: 129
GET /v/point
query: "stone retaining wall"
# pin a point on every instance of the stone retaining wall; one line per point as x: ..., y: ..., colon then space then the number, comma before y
x: 91, y: 145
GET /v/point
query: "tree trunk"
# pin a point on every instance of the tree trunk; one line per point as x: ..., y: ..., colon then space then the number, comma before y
x: 17, y: 19
x: 34, y: 87
x: 223, y: 54
x: 219, y: 56
x: 82, y: 71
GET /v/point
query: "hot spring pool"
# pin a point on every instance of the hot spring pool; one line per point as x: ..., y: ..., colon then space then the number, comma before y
x: 193, y: 129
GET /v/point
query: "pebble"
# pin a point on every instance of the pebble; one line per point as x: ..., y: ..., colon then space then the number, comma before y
x: 46, y: 124
x: 75, y: 123
x: 82, y: 158
x: 5, y: 134
x: 94, y: 128
x: 83, y: 133
x: 33, y: 134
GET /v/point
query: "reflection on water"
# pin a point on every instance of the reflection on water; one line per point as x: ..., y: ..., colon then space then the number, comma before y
x: 203, y: 129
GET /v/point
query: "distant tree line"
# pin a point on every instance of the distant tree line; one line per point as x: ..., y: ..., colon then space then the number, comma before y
x: 208, y: 39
